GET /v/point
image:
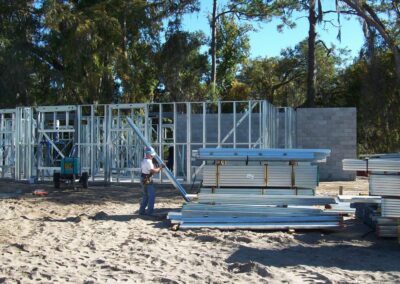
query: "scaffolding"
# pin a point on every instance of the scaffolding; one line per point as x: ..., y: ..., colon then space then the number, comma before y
x: 33, y: 140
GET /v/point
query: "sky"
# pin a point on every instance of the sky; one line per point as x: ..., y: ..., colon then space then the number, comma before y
x: 267, y: 41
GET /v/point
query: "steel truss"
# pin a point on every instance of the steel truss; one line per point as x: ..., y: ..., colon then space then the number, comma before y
x: 33, y: 140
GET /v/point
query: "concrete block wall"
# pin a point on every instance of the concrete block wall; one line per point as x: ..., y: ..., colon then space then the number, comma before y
x: 329, y: 128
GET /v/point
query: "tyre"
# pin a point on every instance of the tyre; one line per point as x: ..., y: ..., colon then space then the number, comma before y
x: 57, y: 180
x: 85, y: 180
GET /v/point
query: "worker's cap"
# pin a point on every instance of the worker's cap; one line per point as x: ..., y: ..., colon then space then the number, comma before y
x: 149, y: 151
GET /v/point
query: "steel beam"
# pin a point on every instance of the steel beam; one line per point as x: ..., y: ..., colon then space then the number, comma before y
x: 168, y: 173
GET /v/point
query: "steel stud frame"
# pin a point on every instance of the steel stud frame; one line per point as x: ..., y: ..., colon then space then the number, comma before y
x: 34, y: 139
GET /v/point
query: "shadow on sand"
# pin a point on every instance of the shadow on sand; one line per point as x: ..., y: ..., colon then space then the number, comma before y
x: 347, y: 249
x: 348, y: 257
x: 96, y: 194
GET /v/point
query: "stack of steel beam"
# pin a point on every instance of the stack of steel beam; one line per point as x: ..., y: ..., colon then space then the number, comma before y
x: 237, y: 176
x: 384, y: 185
x: 265, y: 199
x: 238, y: 154
x: 279, y: 175
x: 372, y: 165
x: 384, y: 181
x: 253, y: 217
x: 265, y: 175
x: 390, y: 207
x: 387, y: 227
x: 259, y: 189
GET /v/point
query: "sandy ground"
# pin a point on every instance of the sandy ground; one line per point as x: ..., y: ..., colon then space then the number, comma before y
x: 95, y: 236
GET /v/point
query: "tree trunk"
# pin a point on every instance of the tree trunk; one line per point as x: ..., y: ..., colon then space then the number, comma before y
x: 396, y: 55
x: 214, y: 48
x: 311, y: 72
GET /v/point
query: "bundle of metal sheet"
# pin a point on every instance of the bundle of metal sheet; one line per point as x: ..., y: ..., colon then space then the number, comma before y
x: 391, y: 208
x: 259, y: 191
x: 272, y: 175
x: 372, y: 165
x: 244, y: 154
x: 306, y: 176
x: 279, y: 175
x: 359, y: 199
x: 390, y: 156
x: 281, y: 219
x: 383, y: 182
x: 265, y: 200
x: 240, y: 210
x: 239, y: 176
x: 253, y: 217
x: 384, y: 185
x: 343, y: 208
x: 263, y: 226
x: 387, y: 227
x: 289, y: 191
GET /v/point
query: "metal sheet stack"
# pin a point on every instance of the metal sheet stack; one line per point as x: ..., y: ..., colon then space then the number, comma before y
x: 387, y: 227
x: 384, y: 180
x: 259, y: 189
x: 265, y: 175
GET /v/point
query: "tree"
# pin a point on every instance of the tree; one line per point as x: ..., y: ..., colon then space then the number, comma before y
x: 370, y: 85
x: 242, y: 10
x: 181, y: 67
x: 19, y: 22
x: 104, y: 50
x: 311, y: 72
x: 384, y: 17
x: 282, y: 80
x: 233, y: 47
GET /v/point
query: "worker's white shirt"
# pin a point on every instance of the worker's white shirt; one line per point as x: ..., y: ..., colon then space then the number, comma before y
x: 147, y: 165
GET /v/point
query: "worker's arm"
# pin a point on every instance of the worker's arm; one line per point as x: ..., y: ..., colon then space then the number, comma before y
x: 156, y: 170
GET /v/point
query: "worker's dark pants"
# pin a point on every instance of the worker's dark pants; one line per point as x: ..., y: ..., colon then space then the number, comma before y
x: 149, y: 196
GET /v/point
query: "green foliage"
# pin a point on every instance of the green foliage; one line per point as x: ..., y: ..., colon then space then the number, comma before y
x: 282, y: 80
x: 232, y: 51
x: 83, y: 51
x: 182, y: 68
x: 70, y: 52
x: 17, y: 64
x: 370, y: 85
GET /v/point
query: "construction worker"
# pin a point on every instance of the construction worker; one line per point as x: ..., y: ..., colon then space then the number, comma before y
x: 148, y: 170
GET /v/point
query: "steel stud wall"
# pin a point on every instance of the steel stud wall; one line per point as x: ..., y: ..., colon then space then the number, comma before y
x: 7, y: 143
x: 34, y: 139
